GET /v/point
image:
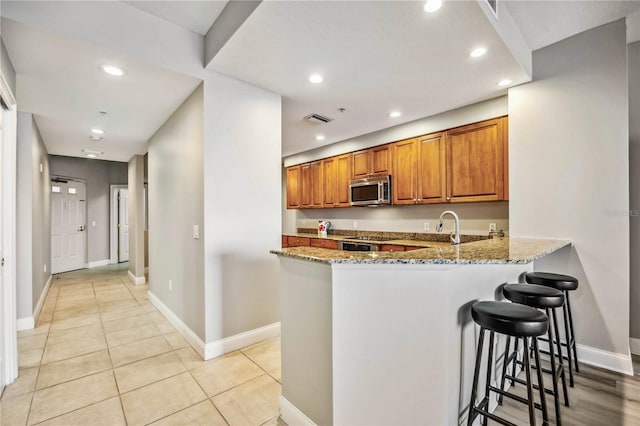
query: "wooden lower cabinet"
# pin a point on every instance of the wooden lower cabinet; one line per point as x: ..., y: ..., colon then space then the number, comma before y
x: 391, y: 247
x: 298, y: 242
x: 324, y: 243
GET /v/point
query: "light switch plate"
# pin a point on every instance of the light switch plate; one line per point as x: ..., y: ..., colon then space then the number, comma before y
x: 196, y: 232
x: 93, y: 223
x: 492, y: 227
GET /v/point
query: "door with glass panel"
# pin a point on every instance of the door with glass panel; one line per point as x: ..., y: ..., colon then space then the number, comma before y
x: 68, y: 226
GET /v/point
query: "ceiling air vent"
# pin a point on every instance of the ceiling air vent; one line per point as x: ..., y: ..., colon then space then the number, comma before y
x: 317, y: 119
x: 493, y: 5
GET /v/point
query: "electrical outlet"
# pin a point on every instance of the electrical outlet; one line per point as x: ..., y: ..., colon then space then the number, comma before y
x: 426, y: 226
x: 492, y: 227
x: 196, y: 232
x: 170, y: 285
x: 355, y: 224
x: 45, y: 267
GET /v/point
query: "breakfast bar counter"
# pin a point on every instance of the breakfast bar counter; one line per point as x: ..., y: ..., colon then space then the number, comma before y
x: 387, y: 337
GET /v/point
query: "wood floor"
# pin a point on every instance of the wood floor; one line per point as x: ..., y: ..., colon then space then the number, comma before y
x: 599, y: 398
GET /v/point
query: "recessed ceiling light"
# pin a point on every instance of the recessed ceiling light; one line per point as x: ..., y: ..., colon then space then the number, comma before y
x: 395, y: 114
x: 91, y: 151
x: 95, y: 138
x: 320, y: 137
x: 504, y: 82
x: 478, y: 51
x: 113, y: 70
x: 97, y: 131
x: 91, y: 156
x: 316, y: 78
x: 432, y: 5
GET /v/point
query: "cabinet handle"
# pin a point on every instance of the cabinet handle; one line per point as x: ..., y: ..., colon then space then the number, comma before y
x: 448, y: 198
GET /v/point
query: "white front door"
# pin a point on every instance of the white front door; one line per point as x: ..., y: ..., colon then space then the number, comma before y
x: 123, y: 225
x: 68, y: 226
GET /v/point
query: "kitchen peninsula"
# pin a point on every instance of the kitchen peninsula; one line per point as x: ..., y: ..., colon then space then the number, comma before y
x: 386, y: 337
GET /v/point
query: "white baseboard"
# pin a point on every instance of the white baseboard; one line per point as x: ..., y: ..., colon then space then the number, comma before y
x: 612, y: 361
x: 219, y: 347
x: 291, y: 415
x: 43, y: 297
x: 191, y: 337
x: 137, y: 280
x: 97, y: 263
x: 232, y: 343
x: 26, y: 323
x: 634, y: 344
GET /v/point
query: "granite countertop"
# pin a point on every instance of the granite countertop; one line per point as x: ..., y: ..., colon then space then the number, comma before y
x: 402, y: 241
x: 503, y: 250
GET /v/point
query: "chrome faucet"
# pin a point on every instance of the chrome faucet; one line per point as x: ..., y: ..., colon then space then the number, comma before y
x: 455, y: 239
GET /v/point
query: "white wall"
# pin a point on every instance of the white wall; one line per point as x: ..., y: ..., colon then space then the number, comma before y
x: 175, y: 175
x: 474, y: 217
x: 569, y: 157
x: 33, y: 216
x: 98, y: 176
x: 136, y: 218
x: 634, y: 183
x: 242, y: 210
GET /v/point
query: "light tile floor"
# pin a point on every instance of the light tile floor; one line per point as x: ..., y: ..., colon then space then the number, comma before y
x: 101, y: 354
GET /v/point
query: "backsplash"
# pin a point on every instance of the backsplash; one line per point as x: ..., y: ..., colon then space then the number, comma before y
x: 442, y: 236
x: 474, y: 218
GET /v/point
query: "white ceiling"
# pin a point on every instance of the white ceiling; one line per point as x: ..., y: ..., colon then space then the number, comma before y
x: 545, y: 22
x: 376, y: 56
x: 61, y: 84
x: 196, y: 16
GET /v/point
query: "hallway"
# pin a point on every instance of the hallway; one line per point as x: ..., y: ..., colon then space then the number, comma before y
x: 101, y: 354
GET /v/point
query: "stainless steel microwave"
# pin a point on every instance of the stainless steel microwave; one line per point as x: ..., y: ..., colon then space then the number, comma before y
x: 373, y: 191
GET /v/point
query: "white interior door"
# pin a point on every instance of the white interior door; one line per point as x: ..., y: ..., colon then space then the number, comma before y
x: 68, y: 226
x: 123, y: 225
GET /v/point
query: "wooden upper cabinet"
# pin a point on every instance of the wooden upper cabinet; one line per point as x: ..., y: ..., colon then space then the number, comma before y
x: 317, y: 180
x: 375, y: 161
x: 293, y: 187
x: 337, y: 174
x: 405, y: 167
x: 432, y: 183
x: 306, y: 185
x: 476, y: 162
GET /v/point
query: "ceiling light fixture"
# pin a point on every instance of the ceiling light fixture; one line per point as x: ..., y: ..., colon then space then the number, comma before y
x: 432, y: 5
x: 395, y: 114
x: 92, y: 151
x: 320, y: 137
x: 478, y: 51
x: 91, y: 156
x: 316, y: 78
x: 95, y: 138
x: 113, y: 70
x: 505, y: 82
x: 97, y: 131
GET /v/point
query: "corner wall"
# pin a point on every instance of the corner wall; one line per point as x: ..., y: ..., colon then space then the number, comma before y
x: 634, y: 186
x: 242, y: 210
x: 136, y: 219
x: 569, y: 156
x: 33, y: 218
x: 175, y: 171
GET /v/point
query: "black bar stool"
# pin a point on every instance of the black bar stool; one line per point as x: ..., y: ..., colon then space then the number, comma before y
x: 547, y: 298
x: 517, y: 321
x: 564, y: 283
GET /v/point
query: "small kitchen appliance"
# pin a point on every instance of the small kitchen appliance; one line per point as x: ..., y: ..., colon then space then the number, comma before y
x: 323, y: 227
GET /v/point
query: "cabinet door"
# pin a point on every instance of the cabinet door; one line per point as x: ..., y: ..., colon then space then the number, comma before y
x: 405, y: 171
x: 432, y: 183
x: 381, y: 160
x: 293, y: 187
x: 361, y: 164
x: 329, y: 167
x: 317, y: 184
x: 306, y: 185
x: 475, y: 165
x: 343, y: 172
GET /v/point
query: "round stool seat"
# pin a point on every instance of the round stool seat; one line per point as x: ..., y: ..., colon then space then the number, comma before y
x: 557, y: 281
x: 537, y: 296
x: 510, y: 319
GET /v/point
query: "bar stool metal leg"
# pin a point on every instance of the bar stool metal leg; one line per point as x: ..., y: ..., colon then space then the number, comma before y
x: 476, y: 373
x: 527, y: 369
x: 505, y: 363
x: 563, y: 372
x: 554, y: 371
x: 543, y: 399
x: 567, y: 336
x: 573, y: 335
x: 488, y: 382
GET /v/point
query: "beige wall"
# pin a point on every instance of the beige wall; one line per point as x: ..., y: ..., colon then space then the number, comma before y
x: 569, y: 156
x: 175, y: 206
x: 33, y: 216
x: 98, y: 176
x: 634, y: 184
